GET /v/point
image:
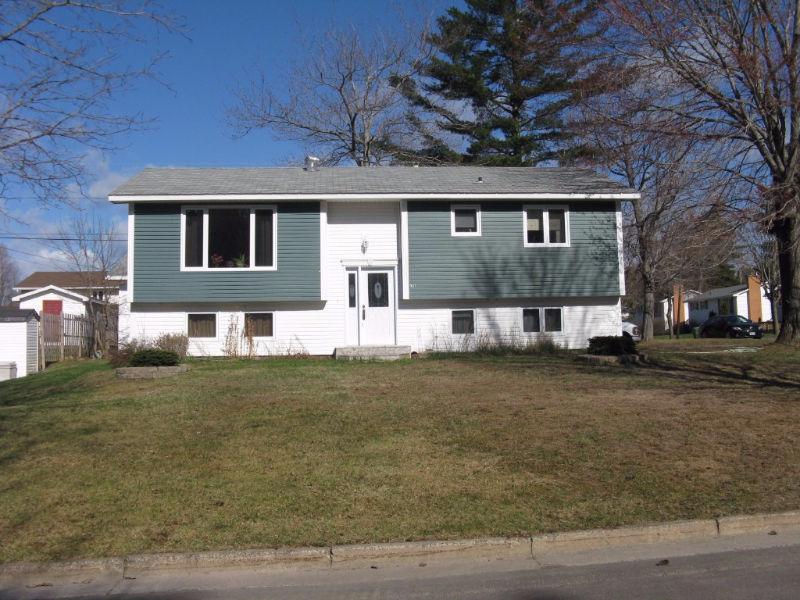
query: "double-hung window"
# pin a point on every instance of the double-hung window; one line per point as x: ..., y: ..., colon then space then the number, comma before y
x: 465, y: 219
x: 542, y: 320
x: 545, y: 226
x: 229, y: 237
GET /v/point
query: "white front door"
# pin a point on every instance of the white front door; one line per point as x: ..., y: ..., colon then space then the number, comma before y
x: 376, y: 307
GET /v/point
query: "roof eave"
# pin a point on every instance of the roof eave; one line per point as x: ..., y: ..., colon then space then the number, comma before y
x: 127, y: 198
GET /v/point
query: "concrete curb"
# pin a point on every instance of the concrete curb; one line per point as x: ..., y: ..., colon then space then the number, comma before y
x: 483, y: 547
x: 592, y: 539
x: 760, y: 523
x: 357, y: 554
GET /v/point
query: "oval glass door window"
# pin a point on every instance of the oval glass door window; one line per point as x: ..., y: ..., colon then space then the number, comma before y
x: 378, y: 284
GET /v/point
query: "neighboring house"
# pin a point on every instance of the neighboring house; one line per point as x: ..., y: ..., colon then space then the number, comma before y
x: 66, y: 292
x: 19, y: 342
x: 291, y: 260
x: 747, y: 300
x: 676, y: 312
x: 693, y: 307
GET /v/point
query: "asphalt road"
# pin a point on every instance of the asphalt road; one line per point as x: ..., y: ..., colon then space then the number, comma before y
x: 770, y: 573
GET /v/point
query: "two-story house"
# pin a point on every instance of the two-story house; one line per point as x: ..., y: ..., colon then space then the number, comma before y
x: 308, y: 260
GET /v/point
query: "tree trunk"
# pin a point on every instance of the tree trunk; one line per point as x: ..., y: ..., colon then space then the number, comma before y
x: 649, y: 308
x: 773, y: 307
x: 787, y: 232
x: 669, y: 316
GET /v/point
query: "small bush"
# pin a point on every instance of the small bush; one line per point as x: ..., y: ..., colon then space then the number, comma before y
x: 174, y: 342
x: 121, y: 356
x: 154, y: 357
x: 612, y: 345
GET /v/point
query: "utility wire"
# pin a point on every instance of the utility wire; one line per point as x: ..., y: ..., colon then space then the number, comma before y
x: 91, y: 237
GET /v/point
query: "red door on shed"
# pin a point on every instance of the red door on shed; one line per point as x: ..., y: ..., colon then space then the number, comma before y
x: 52, y: 307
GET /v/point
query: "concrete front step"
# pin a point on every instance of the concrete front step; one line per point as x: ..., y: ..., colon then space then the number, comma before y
x: 372, y: 352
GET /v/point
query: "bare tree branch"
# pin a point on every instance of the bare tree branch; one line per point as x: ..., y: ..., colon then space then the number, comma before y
x: 61, y: 66
x: 9, y: 274
x: 343, y: 100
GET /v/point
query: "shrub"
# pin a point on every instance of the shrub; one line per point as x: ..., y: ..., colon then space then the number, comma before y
x: 612, y: 345
x: 174, y: 342
x: 154, y: 357
x: 121, y: 356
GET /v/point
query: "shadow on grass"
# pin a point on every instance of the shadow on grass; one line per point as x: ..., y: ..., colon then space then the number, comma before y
x: 742, y: 374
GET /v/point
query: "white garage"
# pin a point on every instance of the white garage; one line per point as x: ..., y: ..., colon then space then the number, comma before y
x: 19, y: 342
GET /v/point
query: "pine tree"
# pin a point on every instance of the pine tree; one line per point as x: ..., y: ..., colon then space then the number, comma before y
x: 503, y: 76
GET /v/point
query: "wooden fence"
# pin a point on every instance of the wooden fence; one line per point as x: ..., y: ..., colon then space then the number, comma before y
x: 65, y: 336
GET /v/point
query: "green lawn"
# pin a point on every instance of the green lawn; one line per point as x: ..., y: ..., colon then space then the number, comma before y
x: 313, y: 452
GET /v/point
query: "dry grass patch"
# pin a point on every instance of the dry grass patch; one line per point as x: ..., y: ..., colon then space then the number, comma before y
x: 296, y: 452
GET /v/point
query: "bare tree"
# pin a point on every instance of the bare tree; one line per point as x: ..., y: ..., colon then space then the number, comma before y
x: 9, y: 274
x: 344, y: 99
x: 760, y: 257
x: 735, y: 67
x: 673, y: 228
x: 92, y: 245
x: 60, y: 67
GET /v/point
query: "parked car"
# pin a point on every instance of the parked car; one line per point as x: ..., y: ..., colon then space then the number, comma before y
x: 731, y: 326
x: 631, y: 330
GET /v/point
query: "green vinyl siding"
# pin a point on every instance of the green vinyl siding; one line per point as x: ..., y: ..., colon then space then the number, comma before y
x: 498, y: 265
x: 157, y: 276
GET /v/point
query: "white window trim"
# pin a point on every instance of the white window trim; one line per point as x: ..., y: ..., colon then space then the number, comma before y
x: 522, y: 320
x: 252, y: 208
x: 261, y: 312
x: 542, y: 323
x: 545, y: 208
x: 544, y: 320
x: 216, y: 325
x: 454, y: 208
x: 474, y: 320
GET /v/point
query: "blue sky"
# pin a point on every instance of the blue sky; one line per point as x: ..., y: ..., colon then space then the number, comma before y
x: 226, y: 40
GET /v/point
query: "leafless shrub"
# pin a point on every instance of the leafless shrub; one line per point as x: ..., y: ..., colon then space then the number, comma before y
x: 175, y: 342
x: 231, y: 346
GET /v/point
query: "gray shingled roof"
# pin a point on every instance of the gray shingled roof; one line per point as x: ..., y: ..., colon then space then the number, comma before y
x: 16, y: 315
x: 368, y: 180
x: 65, y: 279
x: 719, y: 293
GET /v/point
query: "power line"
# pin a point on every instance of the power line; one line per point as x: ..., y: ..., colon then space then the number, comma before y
x: 91, y: 237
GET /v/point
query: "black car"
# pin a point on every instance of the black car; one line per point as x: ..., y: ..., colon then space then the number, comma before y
x: 731, y: 326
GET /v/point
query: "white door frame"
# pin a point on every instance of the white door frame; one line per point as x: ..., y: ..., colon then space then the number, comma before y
x: 391, y: 267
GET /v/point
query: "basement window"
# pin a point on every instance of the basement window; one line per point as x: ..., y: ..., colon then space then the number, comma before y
x: 463, y: 322
x: 203, y: 325
x: 534, y: 318
x: 531, y: 320
x: 258, y: 325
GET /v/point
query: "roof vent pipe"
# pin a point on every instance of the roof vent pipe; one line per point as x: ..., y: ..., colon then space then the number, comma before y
x: 311, y: 163
x: 480, y: 179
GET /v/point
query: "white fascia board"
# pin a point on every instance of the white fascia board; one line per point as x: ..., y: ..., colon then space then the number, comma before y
x: 369, y: 197
x: 51, y: 288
